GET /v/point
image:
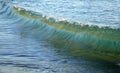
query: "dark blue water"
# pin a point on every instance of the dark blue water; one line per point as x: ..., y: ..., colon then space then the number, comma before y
x: 23, y: 53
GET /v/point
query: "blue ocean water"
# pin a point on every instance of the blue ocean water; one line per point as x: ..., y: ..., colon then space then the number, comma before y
x: 31, y: 44
x: 96, y: 12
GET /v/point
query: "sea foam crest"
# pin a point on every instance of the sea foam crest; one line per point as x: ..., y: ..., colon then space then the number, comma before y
x: 65, y: 20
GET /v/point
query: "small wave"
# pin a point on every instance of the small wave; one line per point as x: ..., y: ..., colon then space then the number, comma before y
x: 73, y: 27
x: 90, y: 41
x: 79, y: 40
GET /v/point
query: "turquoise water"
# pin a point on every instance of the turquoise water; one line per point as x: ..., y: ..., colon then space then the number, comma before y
x: 36, y: 38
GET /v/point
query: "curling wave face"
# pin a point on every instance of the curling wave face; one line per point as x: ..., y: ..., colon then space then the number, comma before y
x: 92, y: 42
x: 31, y: 42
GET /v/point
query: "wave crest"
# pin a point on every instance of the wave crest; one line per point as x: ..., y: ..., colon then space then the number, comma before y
x: 78, y: 39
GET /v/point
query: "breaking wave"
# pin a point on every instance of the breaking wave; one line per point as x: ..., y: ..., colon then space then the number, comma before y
x: 81, y: 40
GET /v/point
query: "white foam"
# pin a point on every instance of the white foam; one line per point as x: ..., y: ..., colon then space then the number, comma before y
x: 47, y: 18
x: 19, y: 9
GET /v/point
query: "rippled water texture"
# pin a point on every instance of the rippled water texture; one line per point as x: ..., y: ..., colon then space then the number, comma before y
x: 97, y: 12
x: 31, y: 43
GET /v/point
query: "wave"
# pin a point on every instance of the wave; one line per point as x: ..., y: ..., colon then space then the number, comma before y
x: 77, y: 39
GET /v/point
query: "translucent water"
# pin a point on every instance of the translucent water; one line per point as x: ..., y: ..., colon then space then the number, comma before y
x: 28, y: 45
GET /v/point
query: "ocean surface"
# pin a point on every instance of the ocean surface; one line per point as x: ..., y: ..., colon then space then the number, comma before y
x: 59, y: 36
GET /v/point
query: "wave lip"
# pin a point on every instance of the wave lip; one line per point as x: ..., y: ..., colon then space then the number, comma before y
x: 64, y: 24
x: 88, y: 41
x: 80, y: 40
